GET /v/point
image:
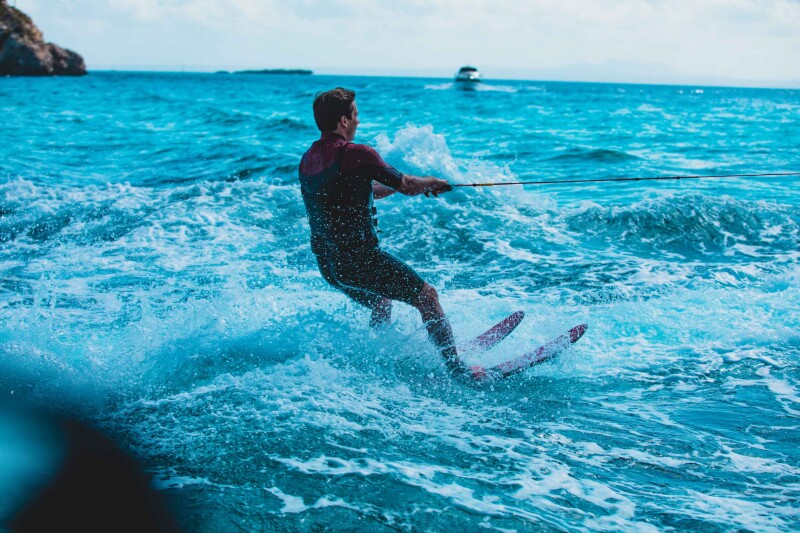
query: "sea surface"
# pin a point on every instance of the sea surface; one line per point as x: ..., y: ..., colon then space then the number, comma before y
x: 156, y: 280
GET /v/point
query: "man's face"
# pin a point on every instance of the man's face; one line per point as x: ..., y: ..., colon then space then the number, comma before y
x: 352, y: 124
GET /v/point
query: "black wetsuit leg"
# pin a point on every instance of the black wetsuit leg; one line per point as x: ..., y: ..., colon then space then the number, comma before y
x: 366, y: 275
x: 327, y: 267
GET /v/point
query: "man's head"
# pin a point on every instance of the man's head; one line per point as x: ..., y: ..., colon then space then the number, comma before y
x: 336, y: 110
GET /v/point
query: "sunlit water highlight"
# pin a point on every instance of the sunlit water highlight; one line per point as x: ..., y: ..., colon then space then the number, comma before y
x: 157, y: 280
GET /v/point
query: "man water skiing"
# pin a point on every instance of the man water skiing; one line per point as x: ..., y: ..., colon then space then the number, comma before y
x: 339, y: 180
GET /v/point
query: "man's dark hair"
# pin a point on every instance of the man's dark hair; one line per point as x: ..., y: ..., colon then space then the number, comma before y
x: 330, y: 106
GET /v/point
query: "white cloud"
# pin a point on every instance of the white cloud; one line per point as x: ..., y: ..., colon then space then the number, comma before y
x: 724, y: 38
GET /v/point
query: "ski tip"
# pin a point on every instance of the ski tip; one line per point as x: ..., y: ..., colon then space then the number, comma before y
x: 577, y: 332
x: 513, y: 320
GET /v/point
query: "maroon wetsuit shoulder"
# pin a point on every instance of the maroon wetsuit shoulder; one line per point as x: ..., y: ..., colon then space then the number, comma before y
x: 322, y: 153
x: 360, y: 159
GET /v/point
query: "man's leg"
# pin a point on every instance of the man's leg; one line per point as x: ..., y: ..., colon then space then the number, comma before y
x: 381, y: 307
x: 439, y: 328
x: 379, y: 273
x: 381, y: 313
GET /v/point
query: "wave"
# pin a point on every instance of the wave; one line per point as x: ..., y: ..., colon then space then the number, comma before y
x: 694, y: 226
x: 595, y: 155
x: 419, y: 148
x: 286, y: 125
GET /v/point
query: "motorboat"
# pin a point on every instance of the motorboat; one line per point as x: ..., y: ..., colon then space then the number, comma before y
x: 468, y: 77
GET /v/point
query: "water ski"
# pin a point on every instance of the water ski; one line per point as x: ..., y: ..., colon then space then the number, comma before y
x: 493, y: 335
x: 539, y: 355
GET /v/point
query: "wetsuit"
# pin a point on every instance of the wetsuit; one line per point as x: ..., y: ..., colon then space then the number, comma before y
x: 336, y: 182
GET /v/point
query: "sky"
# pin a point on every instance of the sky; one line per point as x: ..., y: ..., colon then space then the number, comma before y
x: 727, y: 42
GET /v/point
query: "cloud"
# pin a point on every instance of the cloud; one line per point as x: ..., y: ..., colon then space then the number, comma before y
x: 733, y: 38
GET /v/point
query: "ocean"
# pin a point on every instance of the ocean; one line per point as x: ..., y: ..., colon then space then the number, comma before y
x: 157, y: 282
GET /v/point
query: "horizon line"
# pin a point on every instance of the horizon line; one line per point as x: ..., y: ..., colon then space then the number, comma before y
x: 791, y: 85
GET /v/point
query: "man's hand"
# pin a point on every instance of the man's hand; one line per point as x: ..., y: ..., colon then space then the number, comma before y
x: 441, y: 186
x: 414, y: 185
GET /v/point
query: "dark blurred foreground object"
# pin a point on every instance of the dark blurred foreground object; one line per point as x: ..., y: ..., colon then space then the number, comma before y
x: 60, y: 475
x: 23, y: 51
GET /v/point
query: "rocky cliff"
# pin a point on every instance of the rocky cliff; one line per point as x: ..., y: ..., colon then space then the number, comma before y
x: 24, y: 52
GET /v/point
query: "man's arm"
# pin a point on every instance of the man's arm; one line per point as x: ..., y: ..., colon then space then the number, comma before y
x: 386, y: 179
x: 412, y: 186
x: 381, y: 191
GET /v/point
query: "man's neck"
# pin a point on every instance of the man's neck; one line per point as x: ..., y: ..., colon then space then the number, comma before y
x: 334, y: 133
x: 341, y: 131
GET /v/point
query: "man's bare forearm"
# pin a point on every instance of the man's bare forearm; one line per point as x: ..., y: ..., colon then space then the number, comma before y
x: 381, y: 191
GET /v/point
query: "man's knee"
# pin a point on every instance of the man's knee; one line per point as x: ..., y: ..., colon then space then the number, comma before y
x: 427, y: 296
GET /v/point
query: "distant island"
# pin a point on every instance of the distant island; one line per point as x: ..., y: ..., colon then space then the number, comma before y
x: 276, y: 71
x: 24, y: 52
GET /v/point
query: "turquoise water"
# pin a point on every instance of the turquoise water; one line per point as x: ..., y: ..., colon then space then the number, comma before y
x: 157, y: 280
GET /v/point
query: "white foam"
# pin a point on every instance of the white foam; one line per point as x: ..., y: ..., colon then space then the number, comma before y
x: 421, y: 149
x: 740, y: 511
x: 291, y: 504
